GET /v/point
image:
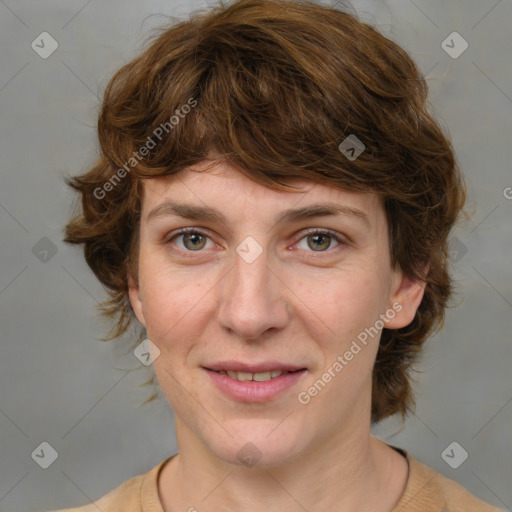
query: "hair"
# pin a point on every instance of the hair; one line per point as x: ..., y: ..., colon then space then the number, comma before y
x: 274, y: 87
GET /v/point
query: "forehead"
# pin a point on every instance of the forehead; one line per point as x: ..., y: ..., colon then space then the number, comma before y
x: 224, y: 188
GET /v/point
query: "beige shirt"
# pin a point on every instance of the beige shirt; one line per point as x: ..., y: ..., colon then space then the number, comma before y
x: 426, y: 491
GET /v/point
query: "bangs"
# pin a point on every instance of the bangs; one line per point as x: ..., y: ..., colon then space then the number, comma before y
x: 271, y: 98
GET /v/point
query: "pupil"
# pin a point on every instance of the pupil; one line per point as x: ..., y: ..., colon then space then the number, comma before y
x: 195, y: 238
x: 319, y: 238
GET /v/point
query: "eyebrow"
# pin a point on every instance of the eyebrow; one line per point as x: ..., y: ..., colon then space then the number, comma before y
x: 205, y: 213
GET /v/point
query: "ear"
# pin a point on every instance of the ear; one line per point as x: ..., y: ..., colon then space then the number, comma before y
x: 135, y: 297
x: 406, y: 297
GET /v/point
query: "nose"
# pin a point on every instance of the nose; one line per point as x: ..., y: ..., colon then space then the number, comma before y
x: 253, y: 299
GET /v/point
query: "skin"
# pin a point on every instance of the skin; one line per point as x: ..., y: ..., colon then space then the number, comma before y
x: 295, y: 303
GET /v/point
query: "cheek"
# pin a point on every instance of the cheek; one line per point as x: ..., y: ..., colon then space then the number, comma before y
x: 340, y: 317
x: 343, y: 303
x: 173, y: 301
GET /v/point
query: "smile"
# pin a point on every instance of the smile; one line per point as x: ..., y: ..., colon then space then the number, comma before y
x: 258, y: 377
x: 254, y: 387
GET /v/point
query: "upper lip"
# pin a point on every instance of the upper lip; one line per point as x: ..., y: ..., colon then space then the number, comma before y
x: 240, y: 366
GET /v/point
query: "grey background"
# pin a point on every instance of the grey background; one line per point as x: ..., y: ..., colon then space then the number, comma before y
x: 59, y: 385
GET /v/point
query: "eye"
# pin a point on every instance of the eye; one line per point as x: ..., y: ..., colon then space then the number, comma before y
x: 192, y: 239
x: 319, y: 240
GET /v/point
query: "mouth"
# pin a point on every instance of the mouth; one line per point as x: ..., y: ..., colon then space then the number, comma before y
x: 253, y: 387
x: 257, y: 377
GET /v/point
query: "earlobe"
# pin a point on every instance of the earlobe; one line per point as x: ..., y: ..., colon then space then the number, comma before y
x: 135, y: 297
x: 406, y: 300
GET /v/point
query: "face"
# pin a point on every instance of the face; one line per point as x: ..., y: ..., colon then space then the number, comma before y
x: 266, y: 281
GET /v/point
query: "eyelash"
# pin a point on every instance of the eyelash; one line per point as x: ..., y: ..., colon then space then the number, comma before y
x: 311, y: 232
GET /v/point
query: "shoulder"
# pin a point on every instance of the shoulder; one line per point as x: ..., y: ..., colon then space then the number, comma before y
x: 430, y: 491
x: 126, y: 497
x: 459, y: 499
x: 134, y: 495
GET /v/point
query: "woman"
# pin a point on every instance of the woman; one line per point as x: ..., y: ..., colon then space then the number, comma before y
x: 272, y: 206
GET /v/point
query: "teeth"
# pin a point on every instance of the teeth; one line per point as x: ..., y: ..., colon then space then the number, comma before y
x: 258, y: 377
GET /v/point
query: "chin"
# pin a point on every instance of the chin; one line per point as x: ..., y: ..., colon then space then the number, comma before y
x: 257, y: 449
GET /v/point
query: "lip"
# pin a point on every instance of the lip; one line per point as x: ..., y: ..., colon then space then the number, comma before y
x: 253, y: 391
x: 265, y: 366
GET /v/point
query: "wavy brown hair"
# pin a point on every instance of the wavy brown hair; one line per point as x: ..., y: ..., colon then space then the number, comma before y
x: 275, y: 87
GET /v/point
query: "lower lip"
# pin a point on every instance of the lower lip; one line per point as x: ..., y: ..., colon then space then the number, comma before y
x: 253, y: 391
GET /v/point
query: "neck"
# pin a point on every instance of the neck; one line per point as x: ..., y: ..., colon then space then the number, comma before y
x: 346, y: 472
